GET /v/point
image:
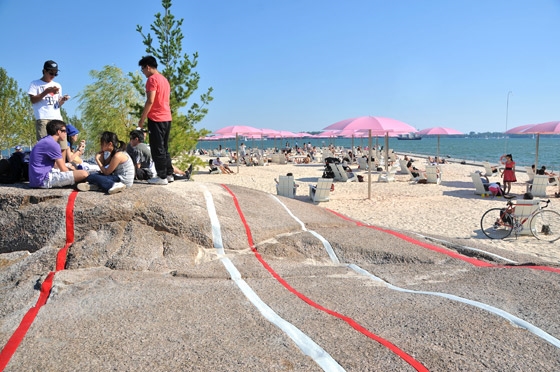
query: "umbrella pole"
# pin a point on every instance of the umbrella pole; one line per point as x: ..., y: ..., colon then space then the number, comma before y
x: 437, y: 160
x: 537, y: 153
x: 352, y: 150
x: 369, y: 167
x: 237, y: 149
x: 387, y: 152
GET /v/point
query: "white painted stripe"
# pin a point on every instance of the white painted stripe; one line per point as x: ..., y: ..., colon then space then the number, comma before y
x: 304, y: 342
x: 325, y: 242
x: 512, y: 318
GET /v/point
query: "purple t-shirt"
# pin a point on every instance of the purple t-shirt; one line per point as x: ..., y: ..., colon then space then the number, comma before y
x: 42, y: 159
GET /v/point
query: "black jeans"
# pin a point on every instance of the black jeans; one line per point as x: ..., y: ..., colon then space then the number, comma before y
x: 159, y: 147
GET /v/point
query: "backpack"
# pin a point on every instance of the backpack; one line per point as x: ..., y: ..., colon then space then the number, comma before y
x: 15, y: 169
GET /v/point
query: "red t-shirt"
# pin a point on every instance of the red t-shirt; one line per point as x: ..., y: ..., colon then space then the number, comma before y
x: 160, y: 110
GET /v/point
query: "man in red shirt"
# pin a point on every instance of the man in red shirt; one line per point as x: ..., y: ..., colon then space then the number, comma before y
x: 158, y: 113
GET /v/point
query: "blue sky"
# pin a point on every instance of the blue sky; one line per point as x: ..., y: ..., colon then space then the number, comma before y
x: 302, y: 65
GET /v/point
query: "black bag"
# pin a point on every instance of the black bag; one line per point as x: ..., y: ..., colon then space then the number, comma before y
x: 15, y: 169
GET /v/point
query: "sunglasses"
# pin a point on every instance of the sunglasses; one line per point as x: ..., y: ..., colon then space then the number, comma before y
x: 62, y: 130
x: 52, y: 73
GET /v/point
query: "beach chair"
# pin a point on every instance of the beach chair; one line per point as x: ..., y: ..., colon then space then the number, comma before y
x: 362, y: 163
x: 279, y: 158
x: 433, y: 174
x: 404, y: 168
x: 340, y: 173
x: 286, y: 186
x: 321, y: 191
x: 479, y: 186
x: 538, y: 187
x: 488, y: 169
x: 388, y: 176
x: 523, y: 209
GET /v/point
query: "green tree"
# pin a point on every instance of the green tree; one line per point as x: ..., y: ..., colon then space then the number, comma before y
x: 106, y: 104
x: 16, y: 114
x: 178, y: 68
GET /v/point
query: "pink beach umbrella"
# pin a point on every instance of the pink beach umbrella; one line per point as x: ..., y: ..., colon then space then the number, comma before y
x: 550, y: 127
x: 238, y: 129
x: 519, y: 129
x: 378, y: 125
x: 438, y: 131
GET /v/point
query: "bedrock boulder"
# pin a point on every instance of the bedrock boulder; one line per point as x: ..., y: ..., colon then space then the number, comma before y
x: 147, y: 286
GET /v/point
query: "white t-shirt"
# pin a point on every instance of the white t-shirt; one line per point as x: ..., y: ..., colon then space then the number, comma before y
x: 48, y: 107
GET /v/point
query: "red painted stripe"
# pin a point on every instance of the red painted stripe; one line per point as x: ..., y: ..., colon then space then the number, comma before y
x: 409, y: 359
x: 470, y: 260
x: 13, y: 343
x: 61, y: 256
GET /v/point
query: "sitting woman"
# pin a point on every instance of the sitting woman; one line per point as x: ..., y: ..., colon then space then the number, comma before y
x: 74, y: 152
x: 116, y: 167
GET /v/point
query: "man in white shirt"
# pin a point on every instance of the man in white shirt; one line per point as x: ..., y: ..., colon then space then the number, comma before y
x: 46, y: 97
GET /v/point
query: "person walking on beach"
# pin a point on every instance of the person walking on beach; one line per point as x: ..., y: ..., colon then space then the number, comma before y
x: 509, y: 172
x: 46, y: 98
x: 158, y: 112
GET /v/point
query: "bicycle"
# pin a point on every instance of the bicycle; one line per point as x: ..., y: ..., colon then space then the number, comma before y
x: 499, y: 223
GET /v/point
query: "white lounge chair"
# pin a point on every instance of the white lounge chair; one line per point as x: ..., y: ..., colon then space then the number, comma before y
x: 388, y: 176
x: 433, y: 174
x: 362, y: 163
x: 340, y: 174
x: 343, y: 174
x: 321, y: 191
x: 479, y: 186
x: 488, y: 169
x: 286, y: 186
x: 530, y: 173
x: 404, y: 169
x: 523, y: 209
x: 538, y: 187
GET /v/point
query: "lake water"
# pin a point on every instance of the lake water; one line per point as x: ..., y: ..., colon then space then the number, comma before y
x: 468, y: 149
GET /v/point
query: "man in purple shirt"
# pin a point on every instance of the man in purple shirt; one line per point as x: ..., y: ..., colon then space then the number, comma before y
x: 46, y: 165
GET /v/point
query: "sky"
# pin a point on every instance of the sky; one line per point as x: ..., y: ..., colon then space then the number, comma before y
x: 301, y: 65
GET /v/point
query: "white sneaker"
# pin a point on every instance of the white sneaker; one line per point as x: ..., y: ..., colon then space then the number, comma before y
x: 157, y: 181
x: 85, y: 186
x: 170, y: 178
x: 117, y: 187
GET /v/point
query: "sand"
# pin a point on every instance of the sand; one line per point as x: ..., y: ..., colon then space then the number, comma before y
x: 450, y: 211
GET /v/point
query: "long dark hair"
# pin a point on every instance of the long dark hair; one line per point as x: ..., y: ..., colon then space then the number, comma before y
x: 110, y: 137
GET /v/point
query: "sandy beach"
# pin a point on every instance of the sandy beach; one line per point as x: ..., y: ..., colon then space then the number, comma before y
x: 450, y: 211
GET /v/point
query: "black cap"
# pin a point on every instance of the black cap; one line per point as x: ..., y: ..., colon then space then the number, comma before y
x: 50, y: 66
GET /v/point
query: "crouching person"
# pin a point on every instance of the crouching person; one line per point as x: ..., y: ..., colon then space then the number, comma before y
x: 117, y: 168
x: 47, y: 168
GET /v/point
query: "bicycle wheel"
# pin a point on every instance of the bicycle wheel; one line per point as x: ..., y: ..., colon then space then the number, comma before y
x: 494, y: 226
x: 545, y: 225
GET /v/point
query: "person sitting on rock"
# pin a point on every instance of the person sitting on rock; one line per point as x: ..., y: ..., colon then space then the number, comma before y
x: 47, y: 168
x: 117, y: 169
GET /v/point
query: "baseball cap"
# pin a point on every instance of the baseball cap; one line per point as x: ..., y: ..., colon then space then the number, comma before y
x: 71, y: 130
x: 18, y: 148
x: 50, y: 66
